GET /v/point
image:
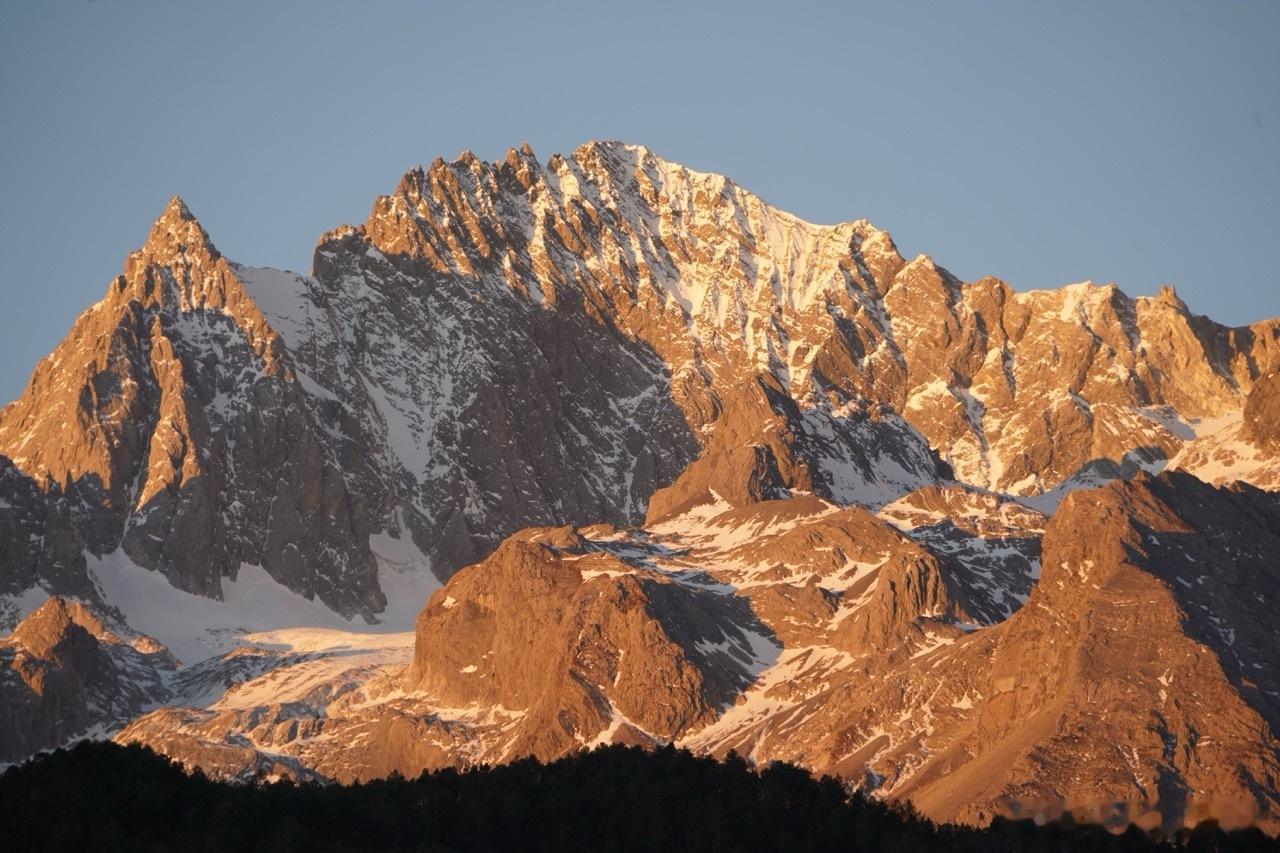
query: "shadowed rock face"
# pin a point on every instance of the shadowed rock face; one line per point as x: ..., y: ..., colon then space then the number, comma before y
x: 40, y: 542
x: 484, y: 410
x: 1262, y: 413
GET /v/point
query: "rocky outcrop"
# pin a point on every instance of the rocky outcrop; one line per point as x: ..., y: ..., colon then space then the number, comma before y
x: 64, y: 673
x: 582, y: 644
x: 552, y: 644
x: 1262, y: 413
x: 740, y: 476
x: 989, y: 540
x: 569, y: 637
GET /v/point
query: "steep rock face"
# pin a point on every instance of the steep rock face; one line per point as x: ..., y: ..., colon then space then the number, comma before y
x: 1262, y: 413
x: 646, y: 627
x: 176, y: 429
x: 513, y: 414
x: 63, y: 672
x: 42, y: 550
x: 565, y: 638
x: 1066, y: 378
x: 740, y: 476
x: 989, y: 540
x: 559, y: 640
x: 581, y: 644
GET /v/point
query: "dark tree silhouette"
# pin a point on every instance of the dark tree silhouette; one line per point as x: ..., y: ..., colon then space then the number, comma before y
x: 101, y: 796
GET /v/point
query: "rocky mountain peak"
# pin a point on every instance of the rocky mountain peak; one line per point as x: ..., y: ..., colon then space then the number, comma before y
x: 562, y: 634
x: 175, y: 212
x: 177, y: 234
x: 56, y: 624
x: 1168, y: 295
x: 168, y: 397
x: 523, y: 154
x: 412, y: 180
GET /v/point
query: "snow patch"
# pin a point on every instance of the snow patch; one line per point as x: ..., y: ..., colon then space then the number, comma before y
x: 196, y: 628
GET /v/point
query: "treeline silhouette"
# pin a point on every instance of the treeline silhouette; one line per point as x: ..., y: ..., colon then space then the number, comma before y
x: 102, y: 796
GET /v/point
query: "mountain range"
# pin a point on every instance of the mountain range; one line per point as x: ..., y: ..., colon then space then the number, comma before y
x: 544, y: 456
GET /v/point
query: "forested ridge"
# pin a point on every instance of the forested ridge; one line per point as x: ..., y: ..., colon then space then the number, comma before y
x: 101, y: 796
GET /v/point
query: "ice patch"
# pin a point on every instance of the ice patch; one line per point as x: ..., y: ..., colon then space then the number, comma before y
x: 195, y: 628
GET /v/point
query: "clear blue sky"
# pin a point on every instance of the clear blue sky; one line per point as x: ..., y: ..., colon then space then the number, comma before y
x: 1044, y: 143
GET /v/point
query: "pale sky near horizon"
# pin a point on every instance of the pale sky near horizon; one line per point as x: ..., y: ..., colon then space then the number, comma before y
x: 1041, y: 143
